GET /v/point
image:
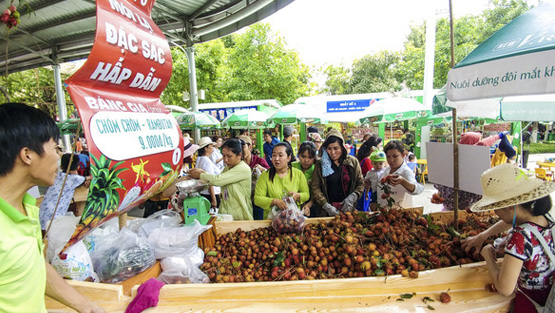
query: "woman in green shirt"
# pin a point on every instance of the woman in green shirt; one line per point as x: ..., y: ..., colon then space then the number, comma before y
x: 307, y: 157
x: 235, y: 181
x: 279, y: 181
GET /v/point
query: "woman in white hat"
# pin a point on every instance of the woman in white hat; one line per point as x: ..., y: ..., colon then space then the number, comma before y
x: 204, y: 162
x: 522, y: 204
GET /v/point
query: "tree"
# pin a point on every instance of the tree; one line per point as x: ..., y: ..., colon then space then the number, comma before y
x: 337, y: 81
x: 210, y: 63
x: 262, y: 67
x: 469, y: 32
x: 36, y: 88
x: 375, y: 73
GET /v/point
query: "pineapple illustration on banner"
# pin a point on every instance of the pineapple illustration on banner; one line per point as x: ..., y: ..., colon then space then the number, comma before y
x: 134, y: 142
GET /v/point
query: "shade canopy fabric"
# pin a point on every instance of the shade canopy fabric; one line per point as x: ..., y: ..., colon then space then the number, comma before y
x: 393, y: 109
x: 296, y: 113
x: 246, y: 119
x: 59, y: 31
x: 519, y: 59
x: 194, y: 120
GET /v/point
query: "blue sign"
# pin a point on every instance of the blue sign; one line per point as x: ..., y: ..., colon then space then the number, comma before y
x: 221, y: 114
x: 348, y: 105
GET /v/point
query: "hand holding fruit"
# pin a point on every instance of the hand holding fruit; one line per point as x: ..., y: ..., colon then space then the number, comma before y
x: 395, y: 180
x: 332, y: 211
x: 295, y: 195
x: 349, y: 202
x: 475, y: 242
x: 367, y: 185
x: 279, y: 203
x: 195, y: 173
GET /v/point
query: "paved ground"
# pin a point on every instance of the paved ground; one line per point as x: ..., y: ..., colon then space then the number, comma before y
x: 424, y: 198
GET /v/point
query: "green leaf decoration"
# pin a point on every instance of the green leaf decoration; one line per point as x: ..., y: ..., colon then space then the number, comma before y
x: 167, y: 167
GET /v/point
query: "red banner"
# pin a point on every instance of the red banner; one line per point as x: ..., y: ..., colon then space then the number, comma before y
x: 135, y: 144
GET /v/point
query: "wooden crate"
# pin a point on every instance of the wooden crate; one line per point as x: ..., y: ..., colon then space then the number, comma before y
x: 369, y: 294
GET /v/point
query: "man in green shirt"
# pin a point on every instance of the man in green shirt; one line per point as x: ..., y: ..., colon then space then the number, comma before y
x: 28, y: 157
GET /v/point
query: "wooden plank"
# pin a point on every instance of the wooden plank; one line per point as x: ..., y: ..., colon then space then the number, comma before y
x: 108, y: 296
x: 370, y: 294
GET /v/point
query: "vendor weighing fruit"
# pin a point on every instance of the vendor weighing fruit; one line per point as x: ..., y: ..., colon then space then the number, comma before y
x: 29, y: 157
x: 235, y: 182
x: 337, y: 179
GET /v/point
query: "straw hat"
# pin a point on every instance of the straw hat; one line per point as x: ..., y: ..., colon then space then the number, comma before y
x: 189, y: 148
x: 506, y: 185
x: 205, y: 141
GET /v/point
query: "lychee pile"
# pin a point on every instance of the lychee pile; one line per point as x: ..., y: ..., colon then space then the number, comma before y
x: 10, y: 17
x: 351, y: 245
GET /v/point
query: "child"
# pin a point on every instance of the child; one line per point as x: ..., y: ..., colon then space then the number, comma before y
x: 397, y: 183
x: 523, y: 206
x: 73, y: 181
x: 412, y: 163
x: 307, y: 157
x: 371, y: 180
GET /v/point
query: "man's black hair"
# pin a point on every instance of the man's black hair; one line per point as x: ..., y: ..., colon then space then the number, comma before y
x: 267, y: 132
x: 65, y: 161
x: 23, y: 126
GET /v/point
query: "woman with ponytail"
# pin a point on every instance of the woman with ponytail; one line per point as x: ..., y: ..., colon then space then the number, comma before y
x: 280, y: 181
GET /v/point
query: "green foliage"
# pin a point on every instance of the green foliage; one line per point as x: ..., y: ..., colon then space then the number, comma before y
x: 375, y: 73
x: 210, y: 66
x: 536, y: 148
x: 469, y: 32
x: 104, y: 197
x: 337, y: 80
x: 261, y: 67
x: 34, y: 87
x: 249, y: 66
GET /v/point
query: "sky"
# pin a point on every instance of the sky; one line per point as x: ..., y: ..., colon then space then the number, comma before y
x: 339, y: 31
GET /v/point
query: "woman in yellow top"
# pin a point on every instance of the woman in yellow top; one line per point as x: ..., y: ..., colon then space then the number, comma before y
x: 235, y: 182
x: 279, y: 181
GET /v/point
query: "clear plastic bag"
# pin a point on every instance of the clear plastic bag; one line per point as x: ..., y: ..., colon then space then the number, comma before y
x: 181, y: 270
x: 77, y: 265
x: 290, y: 220
x: 174, y: 241
x: 61, y: 230
x: 118, y: 258
x: 160, y: 219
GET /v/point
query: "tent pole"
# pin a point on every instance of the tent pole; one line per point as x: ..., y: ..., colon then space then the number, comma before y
x: 61, y: 102
x: 190, y: 52
x: 455, y: 172
x: 455, y: 143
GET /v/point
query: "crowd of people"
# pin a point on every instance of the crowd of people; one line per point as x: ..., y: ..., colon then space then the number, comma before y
x: 320, y: 175
x: 325, y: 181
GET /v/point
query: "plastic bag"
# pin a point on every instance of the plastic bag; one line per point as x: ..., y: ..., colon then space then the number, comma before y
x: 160, y: 219
x: 61, y: 230
x: 174, y: 241
x: 106, y: 231
x: 77, y: 265
x: 117, y: 258
x: 290, y: 220
x: 181, y: 270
